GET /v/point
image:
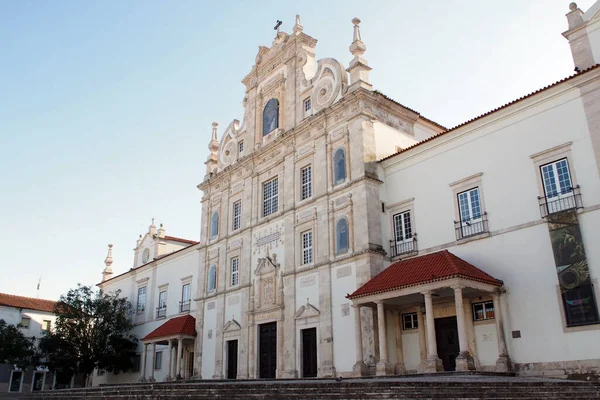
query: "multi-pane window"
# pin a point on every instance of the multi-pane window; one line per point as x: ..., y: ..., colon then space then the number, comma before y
x: 307, y: 247
x: 307, y: 105
x: 158, y: 360
x: 235, y: 271
x: 469, y: 205
x: 402, y: 227
x: 214, y: 225
x: 341, y: 236
x: 46, y: 325
x: 556, y: 178
x: 240, y: 148
x: 483, y: 311
x: 270, y: 197
x: 162, y: 304
x: 339, y: 166
x: 212, y: 278
x: 410, y: 321
x: 141, y: 300
x: 237, y: 215
x: 306, y: 179
x: 186, y: 295
x: 25, y: 321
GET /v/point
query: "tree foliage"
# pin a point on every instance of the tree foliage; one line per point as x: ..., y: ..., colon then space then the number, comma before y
x: 15, y: 348
x: 92, y: 330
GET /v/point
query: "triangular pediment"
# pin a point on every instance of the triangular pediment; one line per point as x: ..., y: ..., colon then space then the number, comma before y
x: 232, y: 326
x: 307, y: 311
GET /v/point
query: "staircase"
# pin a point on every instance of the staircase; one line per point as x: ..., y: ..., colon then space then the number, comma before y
x: 418, y: 387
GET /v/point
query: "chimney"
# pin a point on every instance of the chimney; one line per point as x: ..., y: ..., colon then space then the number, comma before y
x: 579, y: 40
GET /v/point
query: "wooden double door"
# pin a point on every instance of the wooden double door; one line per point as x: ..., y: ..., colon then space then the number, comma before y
x: 446, y: 336
x: 267, y: 350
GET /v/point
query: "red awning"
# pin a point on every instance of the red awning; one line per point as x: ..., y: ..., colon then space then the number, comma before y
x: 180, y: 326
x: 420, y: 270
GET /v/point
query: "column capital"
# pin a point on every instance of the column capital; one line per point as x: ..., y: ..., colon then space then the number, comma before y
x: 356, y: 305
x: 457, y: 287
x: 495, y: 295
x: 426, y: 293
x: 378, y: 302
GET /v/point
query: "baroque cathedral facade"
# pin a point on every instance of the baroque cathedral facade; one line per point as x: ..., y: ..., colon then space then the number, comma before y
x: 309, y: 263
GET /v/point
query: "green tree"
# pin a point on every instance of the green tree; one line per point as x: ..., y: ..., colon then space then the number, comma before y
x: 15, y: 348
x: 93, y: 329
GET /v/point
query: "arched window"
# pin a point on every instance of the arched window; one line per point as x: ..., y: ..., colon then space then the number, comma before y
x: 341, y: 236
x: 212, y: 278
x: 271, y: 116
x: 339, y: 166
x: 214, y: 225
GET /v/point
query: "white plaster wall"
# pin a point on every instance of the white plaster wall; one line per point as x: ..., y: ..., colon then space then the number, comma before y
x: 233, y: 308
x: 208, y: 345
x: 344, y: 356
x: 387, y: 138
x: 171, y: 271
x: 424, y: 130
x: 12, y: 316
x: 522, y: 258
x: 486, y: 342
x: 307, y: 287
x: 411, y: 350
x: 391, y: 337
x: 593, y: 31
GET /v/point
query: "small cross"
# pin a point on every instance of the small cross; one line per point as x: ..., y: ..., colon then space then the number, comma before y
x: 278, y: 25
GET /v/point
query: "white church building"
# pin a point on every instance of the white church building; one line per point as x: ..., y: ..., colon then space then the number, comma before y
x: 345, y: 234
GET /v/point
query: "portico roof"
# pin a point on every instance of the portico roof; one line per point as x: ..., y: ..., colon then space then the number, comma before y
x: 184, y: 326
x: 434, y: 267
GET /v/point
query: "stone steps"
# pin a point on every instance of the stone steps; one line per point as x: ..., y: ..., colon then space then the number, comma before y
x: 352, y: 389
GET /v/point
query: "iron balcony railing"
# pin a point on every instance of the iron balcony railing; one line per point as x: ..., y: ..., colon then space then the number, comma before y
x: 558, y: 202
x: 184, y: 306
x: 466, y: 228
x: 398, y: 248
x: 161, y: 312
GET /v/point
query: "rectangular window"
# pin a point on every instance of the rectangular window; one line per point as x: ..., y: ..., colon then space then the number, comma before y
x: 270, y: 197
x: 237, y: 215
x: 141, y: 300
x: 307, y: 106
x: 240, y: 148
x: 472, y: 220
x: 402, y: 227
x: 158, y: 360
x: 25, y: 321
x: 483, y: 311
x: 161, y: 311
x: 307, y: 247
x: 137, y: 362
x: 410, y: 321
x: 559, y: 193
x: 46, y: 325
x: 306, y: 179
x: 235, y: 271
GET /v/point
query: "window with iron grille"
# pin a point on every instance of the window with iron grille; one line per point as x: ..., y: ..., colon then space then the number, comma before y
x: 307, y: 105
x: 410, y: 321
x: 483, y: 311
x: 161, y: 311
x: 306, y: 179
x: 141, y: 300
x: 307, y: 247
x: 240, y: 148
x: 186, y: 298
x: 270, y: 197
x: 235, y: 271
x: 471, y: 217
x: 237, y: 215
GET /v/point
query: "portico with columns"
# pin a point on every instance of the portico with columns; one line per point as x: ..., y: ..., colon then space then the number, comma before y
x: 179, y: 335
x: 424, y: 294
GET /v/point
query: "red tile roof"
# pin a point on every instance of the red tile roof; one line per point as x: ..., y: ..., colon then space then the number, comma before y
x: 176, y: 239
x: 29, y: 303
x: 424, y: 269
x: 184, y: 325
x: 492, y: 111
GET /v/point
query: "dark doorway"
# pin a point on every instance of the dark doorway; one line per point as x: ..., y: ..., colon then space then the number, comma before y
x: 309, y: 353
x: 232, y: 357
x: 267, y: 348
x: 446, y: 335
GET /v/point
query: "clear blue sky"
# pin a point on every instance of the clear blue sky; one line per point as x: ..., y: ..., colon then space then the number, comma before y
x: 106, y: 106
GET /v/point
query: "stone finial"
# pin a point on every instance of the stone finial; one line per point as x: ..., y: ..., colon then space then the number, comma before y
x: 573, y: 6
x: 152, y: 228
x: 359, y: 67
x: 107, y: 273
x: 298, y: 26
x: 161, y: 231
x: 213, y: 146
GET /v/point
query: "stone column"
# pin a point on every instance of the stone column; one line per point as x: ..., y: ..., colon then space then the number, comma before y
x: 172, y: 360
x: 422, y: 341
x: 168, y: 377
x: 151, y: 379
x: 178, y: 367
x: 383, y: 366
x: 400, y: 368
x: 143, y: 362
x: 433, y: 362
x: 464, y: 360
x: 359, y: 368
x: 503, y: 361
